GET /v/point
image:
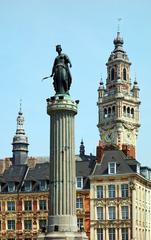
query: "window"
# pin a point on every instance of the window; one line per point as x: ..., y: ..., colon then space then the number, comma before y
x: 124, y: 210
x: 11, y: 187
x: 113, y: 111
x: 105, y: 113
x: 79, y: 203
x: 80, y: 223
x: 111, y: 191
x: 27, y: 224
x: 112, y: 74
x: 111, y: 213
x: 11, y: 206
x: 42, y: 223
x: 124, y: 190
x: 124, y: 233
x: 124, y: 110
x: 43, y: 185
x: 128, y: 112
x: 0, y: 226
x: 99, y: 191
x: 42, y: 205
x: 79, y: 182
x: 111, y: 168
x: 11, y: 224
x: 27, y: 205
x: 109, y: 112
x: 132, y: 112
x: 100, y: 234
x: 0, y: 187
x: 124, y: 73
x: 100, y: 213
x: 28, y: 186
x: 111, y: 234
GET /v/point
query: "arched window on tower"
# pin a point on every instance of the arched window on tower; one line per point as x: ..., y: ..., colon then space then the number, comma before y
x: 112, y: 74
x: 113, y: 111
x: 109, y: 112
x: 128, y: 112
x: 132, y: 112
x: 105, y: 113
x: 124, y: 110
x: 124, y: 73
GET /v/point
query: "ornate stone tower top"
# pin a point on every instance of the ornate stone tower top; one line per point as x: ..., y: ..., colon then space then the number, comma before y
x: 20, y: 141
x: 118, y: 102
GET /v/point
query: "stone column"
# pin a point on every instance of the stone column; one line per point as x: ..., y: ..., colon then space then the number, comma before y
x: 62, y: 222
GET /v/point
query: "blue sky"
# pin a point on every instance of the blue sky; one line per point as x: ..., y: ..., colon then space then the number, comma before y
x: 29, y: 31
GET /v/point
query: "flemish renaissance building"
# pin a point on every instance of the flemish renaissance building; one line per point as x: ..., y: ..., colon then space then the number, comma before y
x: 113, y: 190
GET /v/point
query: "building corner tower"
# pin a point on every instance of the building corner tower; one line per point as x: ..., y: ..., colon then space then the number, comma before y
x: 20, y: 141
x: 118, y: 102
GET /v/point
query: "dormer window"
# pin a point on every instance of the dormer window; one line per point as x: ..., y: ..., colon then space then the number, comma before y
x: 79, y: 183
x: 43, y: 185
x: 138, y: 168
x: 28, y: 186
x: 11, y: 187
x: 111, y: 168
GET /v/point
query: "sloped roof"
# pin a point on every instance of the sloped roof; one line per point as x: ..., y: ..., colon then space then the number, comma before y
x: 40, y: 172
x: 124, y: 165
x: 14, y: 173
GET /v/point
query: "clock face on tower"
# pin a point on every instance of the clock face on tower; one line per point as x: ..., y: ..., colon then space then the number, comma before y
x: 108, y: 136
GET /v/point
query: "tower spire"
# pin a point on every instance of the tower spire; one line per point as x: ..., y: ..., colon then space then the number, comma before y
x: 20, y: 141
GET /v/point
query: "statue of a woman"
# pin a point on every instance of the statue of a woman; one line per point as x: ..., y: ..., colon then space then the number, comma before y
x: 61, y: 72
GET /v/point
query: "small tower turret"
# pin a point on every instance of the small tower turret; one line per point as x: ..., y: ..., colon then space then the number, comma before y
x: 82, y: 148
x: 20, y: 141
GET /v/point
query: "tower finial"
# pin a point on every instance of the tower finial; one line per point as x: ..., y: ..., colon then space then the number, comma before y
x: 118, y: 26
x: 20, y: 105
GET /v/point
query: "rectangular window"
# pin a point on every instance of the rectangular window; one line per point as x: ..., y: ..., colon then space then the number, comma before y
x: 111, y: 233
x: 43, y: 185
x: 112, y: 168
x: 27, y: 224
x: 28, y: 186
x: 111, y: 191
x: 100, y: 213
x: 42, y: 223
x: 27, y: 205
x: 99, y: 191
x: 111, y: 213
x: 124, y: 210
x: 11, y: 224
x: 79, y: 203
x: 79, y: 182
x: 124, y: 190
x: 80, y: 223
x: 124, y: 233
x: 100, y: 234
x: 42, y: 205
x: 11, y: 206
x: 11, y: 187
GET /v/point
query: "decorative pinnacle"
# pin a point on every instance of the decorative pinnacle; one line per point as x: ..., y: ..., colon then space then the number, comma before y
x: 20, y: 106
x: 118, y: 26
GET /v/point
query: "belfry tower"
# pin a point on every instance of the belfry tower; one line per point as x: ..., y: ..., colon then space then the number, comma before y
x: 20, y: 141
x: 118, y: 102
